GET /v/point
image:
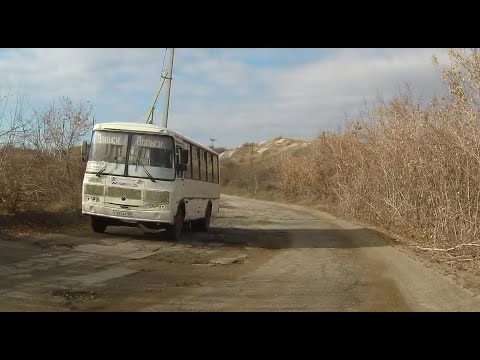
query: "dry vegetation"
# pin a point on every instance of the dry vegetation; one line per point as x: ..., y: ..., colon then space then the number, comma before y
x: 409, y: 167
x: 41, y: 170
x: 251, y: 169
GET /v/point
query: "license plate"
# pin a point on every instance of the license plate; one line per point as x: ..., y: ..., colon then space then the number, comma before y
x: 123, y: 213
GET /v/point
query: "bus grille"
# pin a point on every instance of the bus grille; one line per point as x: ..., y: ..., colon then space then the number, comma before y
x: 119, y: 192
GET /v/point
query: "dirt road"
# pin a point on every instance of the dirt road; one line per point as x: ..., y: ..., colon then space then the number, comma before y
x: 258, y: 256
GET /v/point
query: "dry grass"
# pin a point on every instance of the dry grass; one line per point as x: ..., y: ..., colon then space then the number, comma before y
x: 41, y: 171
x: 409, y: 167
x: 406, y: 166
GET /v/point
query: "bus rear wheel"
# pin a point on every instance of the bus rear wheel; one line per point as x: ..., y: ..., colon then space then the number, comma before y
x: 175, y: 231
x: 98, y: 224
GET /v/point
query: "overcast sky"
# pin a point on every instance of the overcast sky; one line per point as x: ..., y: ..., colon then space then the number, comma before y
x: 233, y: 95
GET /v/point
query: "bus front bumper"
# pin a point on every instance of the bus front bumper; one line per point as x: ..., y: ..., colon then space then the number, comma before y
x: 129, y: 215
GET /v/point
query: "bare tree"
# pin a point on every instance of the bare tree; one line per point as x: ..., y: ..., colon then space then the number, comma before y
x: 56, y: 133
x: 39, y: 154
x: 13, y: 127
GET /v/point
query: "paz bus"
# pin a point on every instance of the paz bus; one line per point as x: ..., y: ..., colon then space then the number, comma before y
x: 149, y: 176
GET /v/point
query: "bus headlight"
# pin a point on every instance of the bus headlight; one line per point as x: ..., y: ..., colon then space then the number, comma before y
x: 155, y: 199
x: 152, y: 205
x: 93, y: 190
x: 155, y: 206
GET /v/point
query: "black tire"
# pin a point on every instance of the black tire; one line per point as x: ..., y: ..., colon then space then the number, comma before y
x: 195, y: 225
x: 204, y: 224
x: 175, y: 231
x: 98, y: 224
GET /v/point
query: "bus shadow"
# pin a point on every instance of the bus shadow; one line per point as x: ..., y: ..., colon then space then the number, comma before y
x: 290, y: 238
x: 280, y: 238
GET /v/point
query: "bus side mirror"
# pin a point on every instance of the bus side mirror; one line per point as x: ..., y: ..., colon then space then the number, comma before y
x: 184, y: 156
x: 84, y: 150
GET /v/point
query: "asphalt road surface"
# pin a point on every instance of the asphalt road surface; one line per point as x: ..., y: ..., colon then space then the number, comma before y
x: 258, y: 256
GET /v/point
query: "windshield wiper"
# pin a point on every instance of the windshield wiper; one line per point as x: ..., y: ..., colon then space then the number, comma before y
x: 101, y: 171
x: 144, y: 169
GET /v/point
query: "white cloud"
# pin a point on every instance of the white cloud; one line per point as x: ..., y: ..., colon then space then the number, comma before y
x: 230, y: 94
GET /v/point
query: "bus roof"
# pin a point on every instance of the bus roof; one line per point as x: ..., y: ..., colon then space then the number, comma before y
x: 148, y: 129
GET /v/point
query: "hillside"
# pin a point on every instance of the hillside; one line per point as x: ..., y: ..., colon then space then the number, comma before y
x: 251, y: 168
x: 255, y: 152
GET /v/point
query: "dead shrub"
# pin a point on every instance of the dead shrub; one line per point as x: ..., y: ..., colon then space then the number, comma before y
x: 405, y: 165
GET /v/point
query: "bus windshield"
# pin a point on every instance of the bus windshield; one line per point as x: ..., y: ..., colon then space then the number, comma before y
x: 146, y: 156
x: 151, y: 150
x: 109, y: 150
x: 151, y: 154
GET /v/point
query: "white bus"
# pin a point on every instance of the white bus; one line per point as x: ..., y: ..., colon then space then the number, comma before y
x: 149, y: 176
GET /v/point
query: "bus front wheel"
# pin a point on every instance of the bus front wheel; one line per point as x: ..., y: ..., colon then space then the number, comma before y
x: 98, y: 224
x: 203, y: 224
x: 175, y: 231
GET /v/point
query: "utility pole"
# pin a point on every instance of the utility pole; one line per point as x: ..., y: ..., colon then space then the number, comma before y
x: 212, y: 140
x: 168, y: 79
x: 165, y: 78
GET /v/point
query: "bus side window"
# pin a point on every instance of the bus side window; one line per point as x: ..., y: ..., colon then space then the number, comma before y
x: 203, y: 165
x: 195, y: 163
x: 209, y: 168
x: 188, y: 172
x: 178, y: 160
x: 215, y: 169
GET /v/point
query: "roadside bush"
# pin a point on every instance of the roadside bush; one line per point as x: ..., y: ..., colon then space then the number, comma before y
x: 405, y: 165
x: 40, y: 165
